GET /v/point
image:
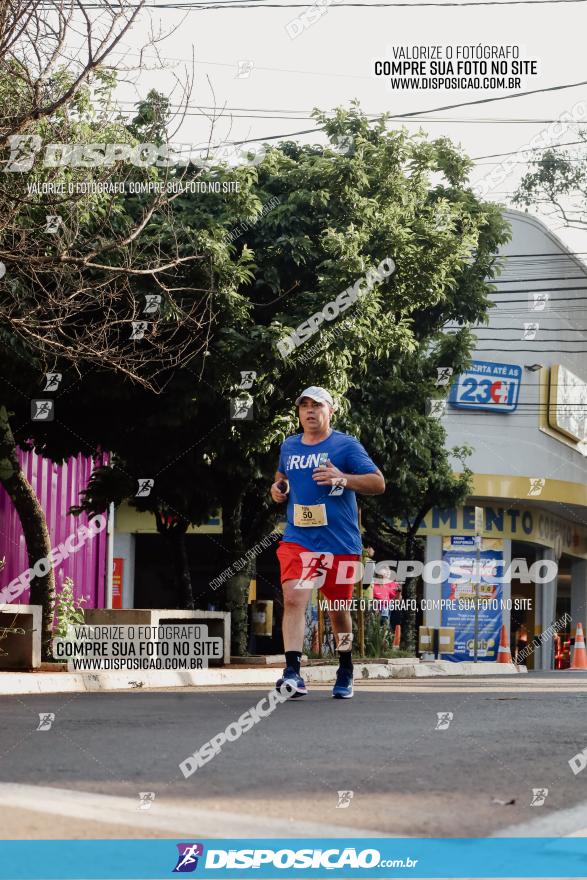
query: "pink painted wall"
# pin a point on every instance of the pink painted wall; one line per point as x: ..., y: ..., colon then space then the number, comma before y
x: 57, y: 487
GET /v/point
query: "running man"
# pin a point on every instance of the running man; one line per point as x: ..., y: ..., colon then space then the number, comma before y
x: 319, y: 473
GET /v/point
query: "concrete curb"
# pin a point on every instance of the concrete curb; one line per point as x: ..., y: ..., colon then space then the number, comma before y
x: 70, y: 682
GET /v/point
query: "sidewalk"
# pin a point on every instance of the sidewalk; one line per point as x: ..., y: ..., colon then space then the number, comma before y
x: 237, y: 675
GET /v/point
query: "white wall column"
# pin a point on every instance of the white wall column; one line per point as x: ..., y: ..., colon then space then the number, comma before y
x: 506, y: 595
x: 578, y: 593
x: 433, y: 591
x: 545, y: 612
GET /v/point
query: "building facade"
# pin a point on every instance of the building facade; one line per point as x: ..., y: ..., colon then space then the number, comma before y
x: 523, y: 409
x: 58, y: 487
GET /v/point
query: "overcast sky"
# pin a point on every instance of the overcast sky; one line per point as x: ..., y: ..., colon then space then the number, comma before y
x: 331, y: 62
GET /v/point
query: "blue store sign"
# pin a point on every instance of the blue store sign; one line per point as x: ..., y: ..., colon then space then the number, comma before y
x: 487, y: 386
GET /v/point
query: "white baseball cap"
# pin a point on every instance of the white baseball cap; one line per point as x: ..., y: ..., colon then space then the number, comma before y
x: 321, y: 395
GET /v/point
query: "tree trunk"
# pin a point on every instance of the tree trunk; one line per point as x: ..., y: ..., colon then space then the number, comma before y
x: 237, y: 585
x: 409, y: 628
x: 34, y: 527
x: 409, y: 642
x: 181, y: 566
x: 173, y: 531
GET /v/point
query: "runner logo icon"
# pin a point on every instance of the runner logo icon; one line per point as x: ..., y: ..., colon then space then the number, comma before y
x: 338, y: 484
x: 187, y: 859
x: 315, y: 566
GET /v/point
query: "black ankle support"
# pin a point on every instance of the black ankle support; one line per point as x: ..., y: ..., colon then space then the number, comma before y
x: 293, y: 659
x: 345, y: 660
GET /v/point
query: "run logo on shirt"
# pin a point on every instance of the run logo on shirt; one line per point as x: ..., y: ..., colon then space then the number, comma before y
x: 300, y: 462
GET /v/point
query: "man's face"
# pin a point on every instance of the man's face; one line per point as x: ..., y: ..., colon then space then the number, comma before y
x: 314, y: 416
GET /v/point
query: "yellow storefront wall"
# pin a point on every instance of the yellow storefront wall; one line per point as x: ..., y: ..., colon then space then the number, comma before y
x: 531, y: 524
x: 127, y: 519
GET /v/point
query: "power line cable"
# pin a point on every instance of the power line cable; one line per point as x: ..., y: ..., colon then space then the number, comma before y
x: 526, y: 163
x: 532, y: 149
x: 544, y: 254
x: 237, y: 113
x: 517, y: 339
x: 479, y: 328
x: 533, y: 350
x: 259, y: 4
x: 418, y: 113
x: 372, y: 116
x: 557, y: 299
x: 522, y: 280
x: 538, y: 290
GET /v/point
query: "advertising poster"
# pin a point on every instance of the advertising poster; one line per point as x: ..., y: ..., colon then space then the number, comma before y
x: 460, y: 589
x: 293, y: 308
x: 117, y: 582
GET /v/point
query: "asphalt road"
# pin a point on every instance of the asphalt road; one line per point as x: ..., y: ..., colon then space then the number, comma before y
x: 507, y: 736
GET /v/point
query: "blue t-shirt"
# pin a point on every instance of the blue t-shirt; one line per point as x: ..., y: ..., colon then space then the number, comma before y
x: 297, y: 461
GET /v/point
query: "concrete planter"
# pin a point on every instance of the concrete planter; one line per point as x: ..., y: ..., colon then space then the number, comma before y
x: 20, y: 636
x: 218, y: 622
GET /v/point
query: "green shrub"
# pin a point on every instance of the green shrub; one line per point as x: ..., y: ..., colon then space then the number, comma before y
x: 68, y: 609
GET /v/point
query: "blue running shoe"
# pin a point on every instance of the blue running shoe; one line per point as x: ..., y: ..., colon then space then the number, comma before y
x: 343, y: 689
x: 295, y: 685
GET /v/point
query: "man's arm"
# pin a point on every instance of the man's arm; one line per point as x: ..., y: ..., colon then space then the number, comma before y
x: 364, y: 484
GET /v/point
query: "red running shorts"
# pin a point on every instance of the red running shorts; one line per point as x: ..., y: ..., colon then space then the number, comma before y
x: 332, y: 573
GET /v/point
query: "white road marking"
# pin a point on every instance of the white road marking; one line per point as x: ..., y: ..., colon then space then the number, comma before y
x: 468, y: 686
x: 571, y: 822
x: 415, y: 686
x: 178, y: 819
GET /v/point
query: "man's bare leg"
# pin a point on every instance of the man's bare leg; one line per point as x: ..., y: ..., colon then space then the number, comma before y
x: 293, y: 626
x: 342, y: 627
x: 294, y: 615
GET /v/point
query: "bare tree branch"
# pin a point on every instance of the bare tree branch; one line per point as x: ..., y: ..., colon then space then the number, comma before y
x: 79, y: 292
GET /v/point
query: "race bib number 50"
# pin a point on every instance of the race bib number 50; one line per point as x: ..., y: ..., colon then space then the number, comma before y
x: 310, y: 515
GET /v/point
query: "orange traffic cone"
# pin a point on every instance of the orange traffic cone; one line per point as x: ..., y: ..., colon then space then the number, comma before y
x: 504, y: 655
x: 397, y: 636
x: 579, y: 653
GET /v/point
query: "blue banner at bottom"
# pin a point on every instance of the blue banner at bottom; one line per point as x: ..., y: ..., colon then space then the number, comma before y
x: 371, y: 857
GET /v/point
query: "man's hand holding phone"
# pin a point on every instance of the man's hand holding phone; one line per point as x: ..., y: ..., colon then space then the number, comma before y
x: 279, y: 491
